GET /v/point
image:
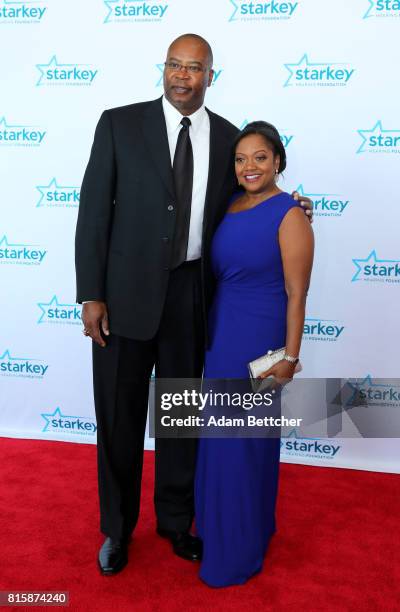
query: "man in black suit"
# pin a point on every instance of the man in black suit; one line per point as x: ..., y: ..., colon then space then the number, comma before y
x: 157, y: 183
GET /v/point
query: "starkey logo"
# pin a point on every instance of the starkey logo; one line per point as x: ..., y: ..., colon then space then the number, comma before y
x: 57, y: 312
x: 379, y: 140
x: 54, y: 195
x: 20, y: 135
x: 326, y: 204
x: 21, y: 253
x: 134, y: 10
x: 382, y: 8
x: 285, y: 137
x: 317, y: 74
x: 314, y: 448
x: 54, y: 73
x: 322, y: 330
x: 245, y: 10
x: 160, y: 68
x: 30, y: 11
x: 374, y: 269
x: 59, y: 423
x: 373, y: 392
x: 22, y: 367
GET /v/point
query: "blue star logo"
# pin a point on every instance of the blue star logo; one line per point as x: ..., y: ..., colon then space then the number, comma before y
x: 52, y: 185
x: 367, y: 383
x: 8, y: 125
x: 303, y: 62
x: 52, y: 63
x: 300, y: 191
x: 293, y: 434
x: 4, y: 243
x: 371, y: 6
x: 44, y: 306
x: 371, y: 257
x: 111, y: 4
x: 49, y: 415
x: 7, y: 355
x: 377, y: 129
x: 236, y: 8
x: 160, y: 67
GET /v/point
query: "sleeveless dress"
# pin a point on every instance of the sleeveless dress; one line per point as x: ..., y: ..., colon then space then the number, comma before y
x: 237, y: 479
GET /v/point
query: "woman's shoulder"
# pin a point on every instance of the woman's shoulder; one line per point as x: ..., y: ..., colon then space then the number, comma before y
x: 286, y: 202
x: 286, y: 199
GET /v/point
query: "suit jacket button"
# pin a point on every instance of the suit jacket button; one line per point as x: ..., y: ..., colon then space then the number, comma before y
x: 166, y: 239
x: 170, y: 207
x: 166, y: 269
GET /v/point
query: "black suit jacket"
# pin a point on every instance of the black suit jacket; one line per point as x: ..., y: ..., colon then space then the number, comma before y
x: 127, y: 215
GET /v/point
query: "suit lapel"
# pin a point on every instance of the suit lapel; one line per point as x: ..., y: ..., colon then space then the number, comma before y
x: 220, y: 158
x: 155, y: 135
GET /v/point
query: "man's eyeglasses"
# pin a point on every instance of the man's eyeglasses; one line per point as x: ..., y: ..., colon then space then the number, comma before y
x: 191, y: 68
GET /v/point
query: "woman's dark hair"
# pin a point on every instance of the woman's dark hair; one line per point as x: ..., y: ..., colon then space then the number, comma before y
x: 270, y: 134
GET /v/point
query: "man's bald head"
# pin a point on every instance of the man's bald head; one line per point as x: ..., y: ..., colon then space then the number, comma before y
x: 200, y: 40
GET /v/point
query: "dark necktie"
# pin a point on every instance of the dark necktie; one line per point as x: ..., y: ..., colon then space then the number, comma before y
x: 183, y: 179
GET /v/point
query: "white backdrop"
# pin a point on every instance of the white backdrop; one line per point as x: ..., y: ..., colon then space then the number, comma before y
x: 325, y: 72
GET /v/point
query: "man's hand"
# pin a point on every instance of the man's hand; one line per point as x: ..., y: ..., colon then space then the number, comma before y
x: 306, y: 203
x: 95, y: 318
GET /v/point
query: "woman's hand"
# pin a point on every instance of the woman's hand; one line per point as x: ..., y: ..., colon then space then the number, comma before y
x: 282, y: 371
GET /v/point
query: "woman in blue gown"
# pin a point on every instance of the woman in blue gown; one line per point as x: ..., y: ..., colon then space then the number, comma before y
x: 262, y: 257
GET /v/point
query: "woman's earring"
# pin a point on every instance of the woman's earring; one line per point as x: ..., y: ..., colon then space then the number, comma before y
x: 276, y: 174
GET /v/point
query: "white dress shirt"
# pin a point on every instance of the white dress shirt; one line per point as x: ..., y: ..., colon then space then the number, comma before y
x: 199, y: 132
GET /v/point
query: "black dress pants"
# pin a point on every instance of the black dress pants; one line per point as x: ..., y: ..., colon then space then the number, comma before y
x: 121, y: 373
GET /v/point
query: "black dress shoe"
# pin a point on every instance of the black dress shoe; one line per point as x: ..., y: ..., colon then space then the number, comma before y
x: 184, y: 544
x: 113, y: 556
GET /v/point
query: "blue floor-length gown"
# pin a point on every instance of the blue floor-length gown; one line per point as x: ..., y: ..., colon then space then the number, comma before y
x: 237, y: 479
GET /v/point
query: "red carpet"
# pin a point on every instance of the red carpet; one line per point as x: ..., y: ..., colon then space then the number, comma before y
x: 337, y: 546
